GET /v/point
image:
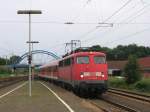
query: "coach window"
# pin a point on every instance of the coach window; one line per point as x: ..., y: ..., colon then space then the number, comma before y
x: 55, y: 69
x: 83, y: 60
x: 67, y: 62
x: 99, y: 59
x: 61, y: 64
x: 49, y: 69
x: 72, y: 60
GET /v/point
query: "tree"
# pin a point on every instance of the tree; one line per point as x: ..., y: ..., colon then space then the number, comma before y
x: 13, y: 59
x: 122, y: 52
x: 131, y: 71
x: 2, y: 61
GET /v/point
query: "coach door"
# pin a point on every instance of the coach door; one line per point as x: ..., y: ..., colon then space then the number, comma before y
x: 72, y: 68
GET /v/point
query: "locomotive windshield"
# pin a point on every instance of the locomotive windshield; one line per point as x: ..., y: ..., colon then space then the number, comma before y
x: 99, y: 60
x: 83, y: 60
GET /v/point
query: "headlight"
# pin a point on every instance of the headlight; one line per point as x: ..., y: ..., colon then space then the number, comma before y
x: 81, y: 76
x: 103, y: 75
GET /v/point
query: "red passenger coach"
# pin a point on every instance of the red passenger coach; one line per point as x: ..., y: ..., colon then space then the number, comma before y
x: 49, y: 71
x: 85, y: 72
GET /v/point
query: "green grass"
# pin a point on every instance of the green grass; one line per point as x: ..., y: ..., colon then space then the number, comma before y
x: 140, y: 86
x: 6, y: 75
x: 143, y: 85
x: 117, y: 82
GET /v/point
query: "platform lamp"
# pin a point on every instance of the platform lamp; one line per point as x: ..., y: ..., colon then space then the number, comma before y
x: 29, y: 12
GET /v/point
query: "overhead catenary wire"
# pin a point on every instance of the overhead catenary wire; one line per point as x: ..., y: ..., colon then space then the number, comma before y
x: 137, y: 13
x: 112, y: 15
x: 55, y: 22
x: 128, y: 10
x: 86, y: 23
x: 128, y: 36
x: 117, y: 11
x: 80, y: 23
x: 113, y: 22
x: 140, y: 14
x: 95, y: 28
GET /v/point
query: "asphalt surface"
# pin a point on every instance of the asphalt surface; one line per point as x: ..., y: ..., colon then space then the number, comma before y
x: 42, y: 100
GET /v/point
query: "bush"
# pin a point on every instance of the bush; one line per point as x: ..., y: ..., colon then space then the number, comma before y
x: 143, y: 85
x: 131, y: 71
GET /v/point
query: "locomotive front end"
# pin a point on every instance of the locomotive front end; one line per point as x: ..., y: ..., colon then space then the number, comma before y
x: 91, y: 72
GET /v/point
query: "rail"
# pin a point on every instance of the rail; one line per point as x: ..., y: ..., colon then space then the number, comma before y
x: 130, y: 94
x: 5, y: 82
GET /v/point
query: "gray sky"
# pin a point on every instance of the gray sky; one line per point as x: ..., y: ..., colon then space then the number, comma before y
x: 131, y: 24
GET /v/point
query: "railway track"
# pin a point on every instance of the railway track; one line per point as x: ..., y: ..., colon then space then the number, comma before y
x: 137, y: 96
x: 113, y: 106
x: 5, y: 82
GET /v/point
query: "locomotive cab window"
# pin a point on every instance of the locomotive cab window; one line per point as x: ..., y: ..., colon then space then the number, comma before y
x: 99, y: 59
x: 83, y: 60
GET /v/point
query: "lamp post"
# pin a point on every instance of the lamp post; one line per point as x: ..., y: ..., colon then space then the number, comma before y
x: 29, y: 12
x: 32, y: 42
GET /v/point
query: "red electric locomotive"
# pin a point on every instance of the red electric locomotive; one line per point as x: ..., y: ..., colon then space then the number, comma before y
x: 85, y: 72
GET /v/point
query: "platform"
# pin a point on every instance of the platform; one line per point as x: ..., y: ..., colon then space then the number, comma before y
x: 42, y: 100
x: 46, y: 97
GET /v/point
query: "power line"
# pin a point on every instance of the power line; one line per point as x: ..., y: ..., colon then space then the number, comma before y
x: 80, y: 23
x: 58, y: 22
x: 138, y: 15
x: 128, y: 36
x: 117, y: 11
x: 87, y: 33
x: 129, y: 10
x: 135, y: 15
x: 108, y: 31
x: 128, y: 23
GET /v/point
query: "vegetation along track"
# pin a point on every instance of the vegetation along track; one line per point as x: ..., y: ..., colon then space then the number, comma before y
x: 134, y: 95
x: 5, y: 82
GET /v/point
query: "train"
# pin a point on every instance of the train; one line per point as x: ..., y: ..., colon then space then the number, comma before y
x: 82, y: 72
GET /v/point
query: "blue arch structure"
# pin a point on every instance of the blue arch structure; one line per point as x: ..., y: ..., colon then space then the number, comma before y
x: 36, y: 52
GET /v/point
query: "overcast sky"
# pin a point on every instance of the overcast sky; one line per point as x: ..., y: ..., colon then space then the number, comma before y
x: 131, y: 24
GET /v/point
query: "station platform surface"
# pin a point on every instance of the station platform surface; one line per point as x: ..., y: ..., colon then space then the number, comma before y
x: 42, y: 100
x: 46, y: 97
